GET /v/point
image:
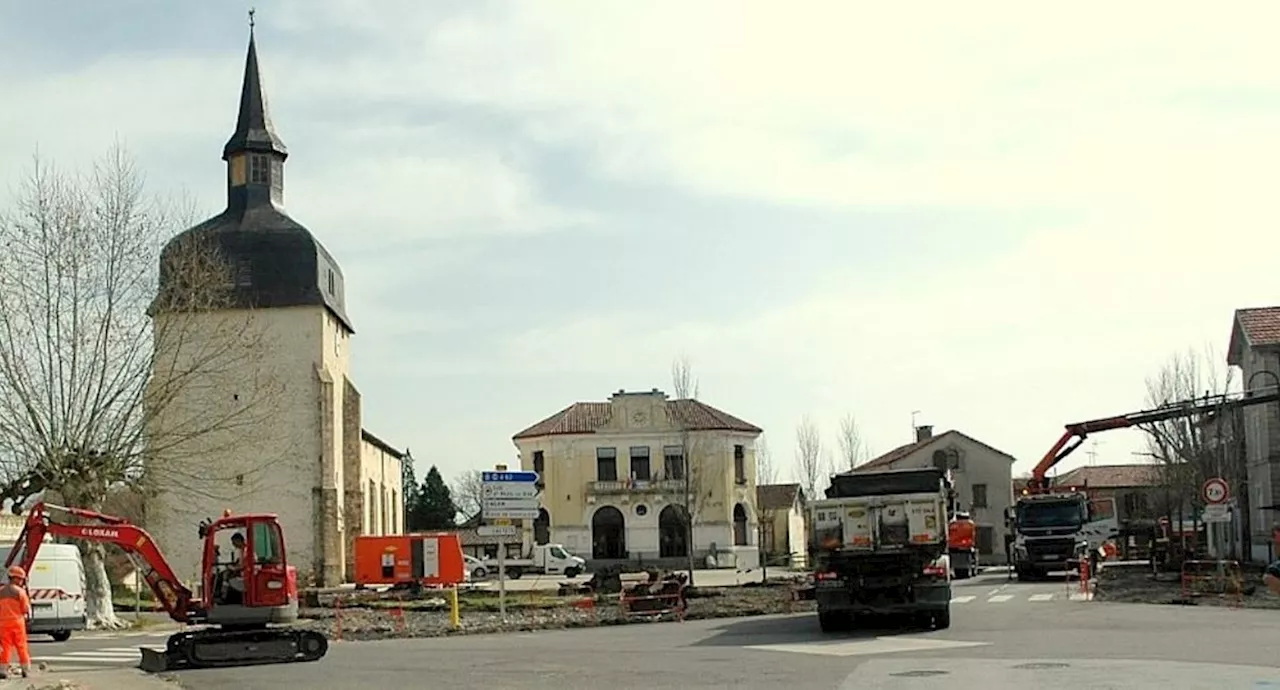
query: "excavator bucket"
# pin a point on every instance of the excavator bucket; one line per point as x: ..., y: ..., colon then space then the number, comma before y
x: 154, y: 660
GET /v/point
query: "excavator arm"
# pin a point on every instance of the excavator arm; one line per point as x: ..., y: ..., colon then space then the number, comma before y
x: 1075, y: 434
x: 92, y: 526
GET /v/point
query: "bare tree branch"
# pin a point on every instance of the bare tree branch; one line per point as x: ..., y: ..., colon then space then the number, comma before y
x: 853, y: 450
x: 809, y: 456
x: 683, y: 383
x: 467, y: 489
x: 766, y: 471
x: 699, y: 470
x: 86, y: 403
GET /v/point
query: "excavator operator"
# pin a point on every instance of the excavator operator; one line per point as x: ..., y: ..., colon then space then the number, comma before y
x: 15, y: 609
x: 235, y: 572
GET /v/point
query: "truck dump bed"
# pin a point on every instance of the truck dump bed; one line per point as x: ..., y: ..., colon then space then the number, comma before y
x: 883, y: 512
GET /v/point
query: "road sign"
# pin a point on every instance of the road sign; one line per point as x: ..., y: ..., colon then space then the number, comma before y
x: 505, y: 477
x: 496, y: 530
x: 509, y: 495
x: 1216, y: 491
x: 508, y: 491
x: 1216, y: 512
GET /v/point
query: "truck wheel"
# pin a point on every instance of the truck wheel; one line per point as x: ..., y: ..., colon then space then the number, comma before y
x: 962, y: 573
x: 514, y: 573
x: 942, y: 619
x: 571, y: 572
x: 60, y: 635
x: 834, y: 621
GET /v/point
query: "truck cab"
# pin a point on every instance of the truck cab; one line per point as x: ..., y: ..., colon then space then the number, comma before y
x: 1053, y: 531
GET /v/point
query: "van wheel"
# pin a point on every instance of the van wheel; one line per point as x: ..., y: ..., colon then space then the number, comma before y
x: 514, y: 573
x: 571, y: 572
x: 61, y: 635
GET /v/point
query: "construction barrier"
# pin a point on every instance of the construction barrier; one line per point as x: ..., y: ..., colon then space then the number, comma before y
x: 1222, y: 578
x: 342, y: 610
x: 652, y: 605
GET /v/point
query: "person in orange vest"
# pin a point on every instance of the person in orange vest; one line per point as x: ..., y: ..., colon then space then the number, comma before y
x: 15, y: 609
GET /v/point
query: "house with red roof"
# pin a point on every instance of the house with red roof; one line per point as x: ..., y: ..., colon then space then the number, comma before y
x: 1255, y: 349
x: 983, y: 479
x: 623, y: 478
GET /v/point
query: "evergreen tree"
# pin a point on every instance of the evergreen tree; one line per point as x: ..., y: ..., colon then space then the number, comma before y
x: 435, y: 508
x: 409, y: 501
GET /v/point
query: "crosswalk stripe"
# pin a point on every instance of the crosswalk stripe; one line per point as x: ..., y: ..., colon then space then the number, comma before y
x: 999, y: 598
x: 1041, y: 597
x: 962, y: 600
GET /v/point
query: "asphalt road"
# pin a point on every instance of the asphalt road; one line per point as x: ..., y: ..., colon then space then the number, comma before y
x: 92, y: 651
x: 1009, y: 635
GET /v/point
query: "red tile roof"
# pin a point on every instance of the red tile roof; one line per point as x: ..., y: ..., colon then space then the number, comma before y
x: 587, y: 417
x: 1111, y: 476
x: 776, y: 496
x: 903, y: 451
x: 1254, y: 328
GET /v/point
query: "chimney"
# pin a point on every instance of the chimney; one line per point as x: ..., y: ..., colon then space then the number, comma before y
x: 924, y: 433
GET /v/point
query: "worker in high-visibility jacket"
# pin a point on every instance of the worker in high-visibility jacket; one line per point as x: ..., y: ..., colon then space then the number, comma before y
x: 15, y: 609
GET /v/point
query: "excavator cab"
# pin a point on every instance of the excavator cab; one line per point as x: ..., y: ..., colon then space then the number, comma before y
x: 247, y: 580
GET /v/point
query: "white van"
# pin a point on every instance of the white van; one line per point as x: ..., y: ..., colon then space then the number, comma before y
x: 56, y: 587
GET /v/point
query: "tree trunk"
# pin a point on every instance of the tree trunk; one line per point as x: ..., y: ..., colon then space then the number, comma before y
x: 100, y: 613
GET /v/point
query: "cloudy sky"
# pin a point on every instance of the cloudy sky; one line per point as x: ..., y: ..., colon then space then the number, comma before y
x: 1002, y: 217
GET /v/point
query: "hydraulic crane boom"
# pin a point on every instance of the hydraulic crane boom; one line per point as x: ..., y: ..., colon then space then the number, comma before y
x: 1075, y: 434
x: 171, y: 593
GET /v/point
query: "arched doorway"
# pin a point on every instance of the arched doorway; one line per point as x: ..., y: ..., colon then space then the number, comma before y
x: 673, y: 533
x: 542, y: 527
x: 739, y: 525
x: 608, y: 534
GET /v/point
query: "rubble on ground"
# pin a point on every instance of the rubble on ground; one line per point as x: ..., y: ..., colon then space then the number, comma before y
x: 1139, y: 585
x: 527, y: 611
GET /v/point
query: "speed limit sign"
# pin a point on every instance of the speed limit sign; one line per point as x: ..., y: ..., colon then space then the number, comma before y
x: 1215, y: 491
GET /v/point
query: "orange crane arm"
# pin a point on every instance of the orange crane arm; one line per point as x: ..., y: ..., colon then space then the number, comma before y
x: 1075, y: 434
x: 172, y: 594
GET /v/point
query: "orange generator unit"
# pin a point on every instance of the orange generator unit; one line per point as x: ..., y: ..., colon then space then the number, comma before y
x: 409, y: 560
x: 962, y: 546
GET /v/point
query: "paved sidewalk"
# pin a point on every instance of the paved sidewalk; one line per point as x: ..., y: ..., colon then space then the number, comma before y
x: 123, y: 679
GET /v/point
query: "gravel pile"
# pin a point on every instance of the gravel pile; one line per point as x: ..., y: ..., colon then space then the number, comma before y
x: 1139, y: 586
x: 479, y: 614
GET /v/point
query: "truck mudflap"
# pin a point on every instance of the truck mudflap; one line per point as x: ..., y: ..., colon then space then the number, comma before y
x: 963, y: 564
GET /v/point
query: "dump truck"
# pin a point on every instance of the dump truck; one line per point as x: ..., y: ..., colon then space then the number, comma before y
x: 879, y: 547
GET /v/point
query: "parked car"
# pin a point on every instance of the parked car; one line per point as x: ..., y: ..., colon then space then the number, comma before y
x: 475, y: 567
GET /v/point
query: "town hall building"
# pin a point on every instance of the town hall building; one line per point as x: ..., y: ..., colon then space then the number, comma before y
x: 274, y: 359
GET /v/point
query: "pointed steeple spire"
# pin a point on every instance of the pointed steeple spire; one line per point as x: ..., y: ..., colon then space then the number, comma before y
x: 254, y: 131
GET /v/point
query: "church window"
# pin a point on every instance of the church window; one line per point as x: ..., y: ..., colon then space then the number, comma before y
x: 259, y: 169
x: 332, y: 282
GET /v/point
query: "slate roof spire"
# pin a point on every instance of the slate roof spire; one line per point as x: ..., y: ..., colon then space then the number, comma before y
x: 254, y: 131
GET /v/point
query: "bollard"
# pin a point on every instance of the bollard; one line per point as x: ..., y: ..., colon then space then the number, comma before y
x: 337, y: 619
x: 1084, y: 576
x: 455, y: 616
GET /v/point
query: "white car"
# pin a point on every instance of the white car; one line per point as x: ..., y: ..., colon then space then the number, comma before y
x: 476, y: 569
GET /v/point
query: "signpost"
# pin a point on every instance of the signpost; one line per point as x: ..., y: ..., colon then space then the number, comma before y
x: 507, y: 496
x: 1216, y: 491
x: 1216, y: 513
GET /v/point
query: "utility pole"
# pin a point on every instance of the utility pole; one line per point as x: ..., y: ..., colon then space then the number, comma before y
x: 1093, y: 453
x: 913, y: 424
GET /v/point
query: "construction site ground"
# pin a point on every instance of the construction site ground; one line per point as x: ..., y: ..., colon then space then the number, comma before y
x: 1137, y: 584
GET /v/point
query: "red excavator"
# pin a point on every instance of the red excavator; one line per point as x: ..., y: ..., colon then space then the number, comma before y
x: 244, y: 601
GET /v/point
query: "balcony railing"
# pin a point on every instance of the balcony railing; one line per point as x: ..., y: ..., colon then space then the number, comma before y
x: 634, y: 486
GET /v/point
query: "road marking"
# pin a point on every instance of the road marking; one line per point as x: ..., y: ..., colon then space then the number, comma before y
x: 999, y: 599
x: 962, y: 600
x: 1041, y: 597
x: 878, y: 645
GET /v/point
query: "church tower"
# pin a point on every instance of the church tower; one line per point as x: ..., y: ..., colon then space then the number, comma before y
x: 285, y: 311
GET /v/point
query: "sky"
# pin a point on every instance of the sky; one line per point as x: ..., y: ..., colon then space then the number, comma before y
x: 987, y: 217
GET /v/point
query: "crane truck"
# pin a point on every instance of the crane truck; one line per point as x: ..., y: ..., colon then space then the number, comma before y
x: 1053, y: 527
x: 240, y: 625
x: 879, y: 546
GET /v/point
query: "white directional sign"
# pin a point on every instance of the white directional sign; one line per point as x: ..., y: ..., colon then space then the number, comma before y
x: 509, y: 495
x: 496, y: 530
x: 1216, y: 512
x: 1216, y: 491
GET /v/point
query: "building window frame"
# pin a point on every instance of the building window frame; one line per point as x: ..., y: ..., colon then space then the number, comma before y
x: 259, y: 169
x: 673, y: 462
x: 640, y: 469
x: 606, y: 464
x: 739, y: 464
x: 979, y: 495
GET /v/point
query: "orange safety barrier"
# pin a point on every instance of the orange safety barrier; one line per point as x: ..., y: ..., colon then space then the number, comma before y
x: 1222, y: 578
x: 653, y: 605
x: 588, y: 604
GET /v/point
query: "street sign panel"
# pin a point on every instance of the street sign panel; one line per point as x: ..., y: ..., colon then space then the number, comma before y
x: 496, y: 530
x: 509, y: 495
x: 1216, y: 512
x: 504, y: 477
x: 1216, y: 491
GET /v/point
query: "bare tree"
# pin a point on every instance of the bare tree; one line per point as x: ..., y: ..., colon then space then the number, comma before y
x: 1184, y: 448
x: 466, y: 493
x: 853, y: 450
x: 809, y: 456
x: 86, y: 405
x: 766, y: 471
x: 699, y: 471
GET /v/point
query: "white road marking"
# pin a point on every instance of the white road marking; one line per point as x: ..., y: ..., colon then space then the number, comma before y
x: 879, y: 645
x: 962, y: 600
x: 999, y: 599
x: 1041, y: 597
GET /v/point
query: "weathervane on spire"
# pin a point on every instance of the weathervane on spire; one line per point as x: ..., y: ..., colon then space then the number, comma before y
x: 252, y: 10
